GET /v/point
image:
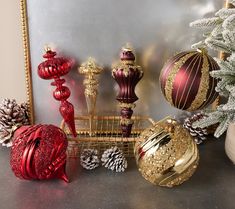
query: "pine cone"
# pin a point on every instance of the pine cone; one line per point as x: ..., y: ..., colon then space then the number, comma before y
x: 5, y: 136
x: 199, y: 134
x: 89, y: 159
x: 25, y: 108
x: 114, y: 159
x: 12, y: 116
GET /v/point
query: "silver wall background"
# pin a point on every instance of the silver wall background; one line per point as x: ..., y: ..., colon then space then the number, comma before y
x: 157, y: 29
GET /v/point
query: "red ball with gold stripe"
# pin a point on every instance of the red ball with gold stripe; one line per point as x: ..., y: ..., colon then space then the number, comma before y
x: 186, y: 82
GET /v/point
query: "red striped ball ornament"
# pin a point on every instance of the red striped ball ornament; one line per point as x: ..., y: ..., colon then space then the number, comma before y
x: 185, y: 80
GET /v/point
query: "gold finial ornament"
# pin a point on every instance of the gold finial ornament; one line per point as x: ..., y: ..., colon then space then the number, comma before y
x: 91, y: 71
x: 166, y: 154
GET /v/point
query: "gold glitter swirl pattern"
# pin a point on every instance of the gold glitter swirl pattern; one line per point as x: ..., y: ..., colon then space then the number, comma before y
x: 203, y: 87
x: 127, y: 105
x: 126, y: 121
x: 171, y: 77
x: 126, y: 67
x: 166, y: 154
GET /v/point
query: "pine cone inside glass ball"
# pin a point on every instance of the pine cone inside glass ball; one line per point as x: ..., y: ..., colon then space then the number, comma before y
x: 89, y: 159
x: 114, y: 159
x: 12, y: 116
x: 199, y: 134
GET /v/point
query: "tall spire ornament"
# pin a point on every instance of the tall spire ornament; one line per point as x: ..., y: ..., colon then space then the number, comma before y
x: 127, y: 74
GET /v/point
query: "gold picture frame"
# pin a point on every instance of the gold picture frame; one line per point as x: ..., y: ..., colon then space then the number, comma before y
x: 27, y: 65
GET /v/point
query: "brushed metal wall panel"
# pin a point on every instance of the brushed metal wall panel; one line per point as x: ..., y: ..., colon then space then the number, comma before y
x: 81, y: 28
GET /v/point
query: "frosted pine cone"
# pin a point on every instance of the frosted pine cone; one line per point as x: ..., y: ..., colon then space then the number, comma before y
x: 89, y: 159
x: 5, y: 136
x: 12, y: 116
x: 25, y: 109
x: 114, y: 159
x: 199, y: 134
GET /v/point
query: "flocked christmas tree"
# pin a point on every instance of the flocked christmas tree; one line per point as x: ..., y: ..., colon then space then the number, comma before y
x: 220, y: 36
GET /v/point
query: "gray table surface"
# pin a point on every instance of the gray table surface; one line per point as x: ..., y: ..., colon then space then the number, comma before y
x: 211, y: 187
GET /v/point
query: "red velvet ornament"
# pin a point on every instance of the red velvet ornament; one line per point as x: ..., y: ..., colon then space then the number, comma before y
x: 39, y: 152
x: 127, y: 74
x: 185, y: 80
x: 54, y: 68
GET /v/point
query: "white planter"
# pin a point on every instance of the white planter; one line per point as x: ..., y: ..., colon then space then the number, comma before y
x: 230, y: 142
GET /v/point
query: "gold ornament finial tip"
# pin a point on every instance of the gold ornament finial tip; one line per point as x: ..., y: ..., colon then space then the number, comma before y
x: 202, y: 50
x: 90, y: 67
x: 91, y: 60
x: 47, y: 48
x: 127, y: 47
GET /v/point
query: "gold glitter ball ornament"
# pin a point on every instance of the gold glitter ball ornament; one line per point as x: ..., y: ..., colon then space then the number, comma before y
x: 166, y: 154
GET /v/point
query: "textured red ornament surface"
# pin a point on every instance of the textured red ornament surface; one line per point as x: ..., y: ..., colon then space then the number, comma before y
x: 186, y: 82
x: 39, y: 152
x: 54, y: 68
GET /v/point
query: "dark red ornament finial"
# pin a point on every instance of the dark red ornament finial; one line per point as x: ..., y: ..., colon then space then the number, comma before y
x: 53, y: 68
x: 127, y: 74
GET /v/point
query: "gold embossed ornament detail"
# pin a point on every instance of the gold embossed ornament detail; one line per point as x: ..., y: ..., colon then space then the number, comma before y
x: 166, y: 154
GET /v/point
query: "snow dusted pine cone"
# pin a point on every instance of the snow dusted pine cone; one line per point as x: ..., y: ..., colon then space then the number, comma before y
x: 12, y: 116
x: 89, y: 159
x: 199, y: 134
x: 25, y: 109
x: 114, y: 159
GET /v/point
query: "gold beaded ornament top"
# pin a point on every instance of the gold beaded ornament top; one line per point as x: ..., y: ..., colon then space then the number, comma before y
x: 127, y: 64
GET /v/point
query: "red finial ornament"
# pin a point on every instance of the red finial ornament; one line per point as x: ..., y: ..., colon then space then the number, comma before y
x: 127, y: 74
x: 54, y: 68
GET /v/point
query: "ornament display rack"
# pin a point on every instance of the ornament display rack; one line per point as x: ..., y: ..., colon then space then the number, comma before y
x: 106, y: 132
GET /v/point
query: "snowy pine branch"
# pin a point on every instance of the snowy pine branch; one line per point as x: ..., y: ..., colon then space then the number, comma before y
x: 224, y: 65
x: 206, y: 22
x: 231, y: 59
x: 218, y: 45
x: 229, y: 36
x: 224, y: 13
x: 198, y: 45
x: 217, y: 31
x: 221, y: 87
x: 229, y: 23
x: 222, y: 73
x: 210, y: 119
x: 224, y: 122
x: 231, y: 89
x: 220, y: 36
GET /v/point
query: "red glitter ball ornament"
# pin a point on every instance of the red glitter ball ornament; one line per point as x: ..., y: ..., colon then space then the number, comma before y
x: 39, y: 152
x: 53, y: 68
x: 186, y: 82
